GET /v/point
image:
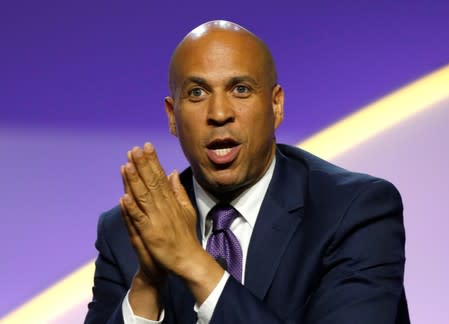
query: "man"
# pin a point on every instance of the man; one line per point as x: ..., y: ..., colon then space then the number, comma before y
x: 252, y: 232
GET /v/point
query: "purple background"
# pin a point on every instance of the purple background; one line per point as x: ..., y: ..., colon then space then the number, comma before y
x: 82, y: 82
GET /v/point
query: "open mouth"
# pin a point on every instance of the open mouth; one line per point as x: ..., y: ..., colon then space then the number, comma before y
x: 223, y: 151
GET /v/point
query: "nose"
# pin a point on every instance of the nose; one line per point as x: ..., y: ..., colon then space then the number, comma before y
x: 220, y: 110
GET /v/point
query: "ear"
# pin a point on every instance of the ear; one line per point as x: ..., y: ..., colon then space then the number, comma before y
x: 278, y: 105
x: 169, y: 110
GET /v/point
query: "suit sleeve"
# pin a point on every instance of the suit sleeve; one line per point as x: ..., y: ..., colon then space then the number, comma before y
x: 363, y: 268
x: 109, y: 287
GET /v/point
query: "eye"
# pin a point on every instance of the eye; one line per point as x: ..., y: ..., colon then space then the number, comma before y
x: 196, y: 92
x: 242, y: 91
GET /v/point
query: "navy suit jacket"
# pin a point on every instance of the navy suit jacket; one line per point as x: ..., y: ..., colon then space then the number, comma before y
x: 327, y: 247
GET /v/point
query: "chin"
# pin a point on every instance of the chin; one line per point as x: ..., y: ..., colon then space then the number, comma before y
x: 228, y: 189
x: 225, y: 181
x: 225, y: 178
x: 219, y: 185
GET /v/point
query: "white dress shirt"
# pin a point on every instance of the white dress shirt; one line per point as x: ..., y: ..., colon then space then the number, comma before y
x: 248, y: 205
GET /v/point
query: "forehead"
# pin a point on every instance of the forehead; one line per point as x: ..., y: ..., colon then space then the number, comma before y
x: 220, y: 56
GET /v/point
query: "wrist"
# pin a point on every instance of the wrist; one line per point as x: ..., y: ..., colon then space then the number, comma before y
x: 144, y: 299
x: 144, y: 280
x: 201, y: 273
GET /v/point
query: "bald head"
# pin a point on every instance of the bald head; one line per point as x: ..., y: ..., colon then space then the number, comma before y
x: 213, y: 34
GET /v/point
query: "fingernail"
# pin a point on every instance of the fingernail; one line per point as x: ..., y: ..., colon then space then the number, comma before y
x: 138, y: 152
x: 127, y: 198
x: 130, y: 168
x: 148, y: 147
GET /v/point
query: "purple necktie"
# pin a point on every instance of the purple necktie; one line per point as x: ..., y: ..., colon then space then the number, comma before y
x: 222, y: 243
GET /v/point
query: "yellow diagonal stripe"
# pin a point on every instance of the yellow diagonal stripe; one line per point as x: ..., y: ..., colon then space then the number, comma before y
x: 379, y: 116
x: 56, y: 300
x: 328, y: 143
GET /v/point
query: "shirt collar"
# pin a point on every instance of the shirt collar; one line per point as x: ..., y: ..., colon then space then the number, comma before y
x: 247, y: 203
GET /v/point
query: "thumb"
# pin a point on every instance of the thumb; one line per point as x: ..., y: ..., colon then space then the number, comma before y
x: 178, y: 189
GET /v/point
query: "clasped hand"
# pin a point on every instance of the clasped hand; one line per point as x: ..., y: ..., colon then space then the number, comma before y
x: 159, y: 216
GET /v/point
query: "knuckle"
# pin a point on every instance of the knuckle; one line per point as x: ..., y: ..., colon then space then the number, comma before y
x: 132, y: 177
x: 135, y: 213
x: 140, y: 218
x: 160, y: 175
x: 153, y: 184
x: 135, y: 179
x: 142, y: 197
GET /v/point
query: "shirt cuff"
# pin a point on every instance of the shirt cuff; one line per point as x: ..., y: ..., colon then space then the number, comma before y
x: 130, y: 318
x: 206, y: 310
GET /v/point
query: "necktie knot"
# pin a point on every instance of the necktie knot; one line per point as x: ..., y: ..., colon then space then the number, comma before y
x: 222, y: 217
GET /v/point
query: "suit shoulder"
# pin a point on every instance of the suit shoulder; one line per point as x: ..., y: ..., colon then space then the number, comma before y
x: 114, y: 245
x: 111, y: 227
x: 110, y: 220
x: 329, y: 180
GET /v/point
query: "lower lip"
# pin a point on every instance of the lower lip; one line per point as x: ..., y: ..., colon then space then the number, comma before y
x: 223, y: 159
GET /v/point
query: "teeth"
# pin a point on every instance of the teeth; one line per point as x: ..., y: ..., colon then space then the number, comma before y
x: 222, y: 152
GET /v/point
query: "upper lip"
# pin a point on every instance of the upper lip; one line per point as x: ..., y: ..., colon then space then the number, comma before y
x: 220, y: 143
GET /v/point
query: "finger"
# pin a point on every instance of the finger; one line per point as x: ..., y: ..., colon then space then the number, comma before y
x: 134, y: 212
x: 169, y: 180
x: 156, y: 178
x: 169, y: 176
x: 137, y: 189
x: 179, y: 190
x: 126, y: 187
x: 142, y: 160
x: 132, y: 231
x: 150, y: 171
x: 136, y: 240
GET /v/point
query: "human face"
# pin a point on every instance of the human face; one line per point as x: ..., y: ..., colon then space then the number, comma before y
x: 225, y: 111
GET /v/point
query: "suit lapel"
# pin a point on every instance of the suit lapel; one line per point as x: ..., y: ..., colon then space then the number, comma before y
x: 279, y: 217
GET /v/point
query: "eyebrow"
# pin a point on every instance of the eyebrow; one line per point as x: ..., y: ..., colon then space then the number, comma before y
x: 239, y: 79
x: 194, y: 79
x: 231, y: 82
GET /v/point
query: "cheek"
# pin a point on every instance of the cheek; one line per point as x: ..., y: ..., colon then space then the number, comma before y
x: 186, y: 121
x: 189, y: 133
x: 192, y: 114
x: 261, y: 125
